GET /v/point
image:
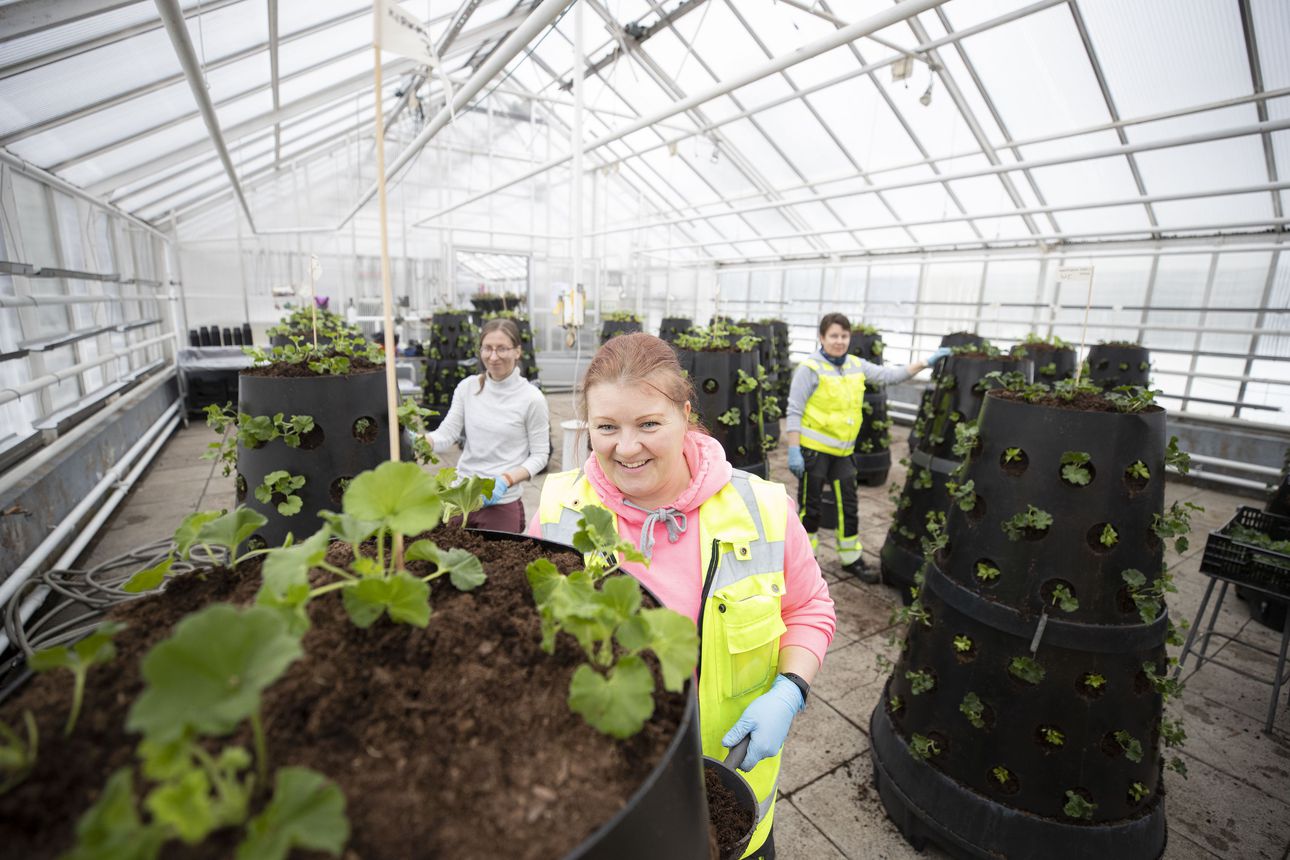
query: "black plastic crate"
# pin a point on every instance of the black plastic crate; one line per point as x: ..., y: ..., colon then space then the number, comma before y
x: 1246, y: 563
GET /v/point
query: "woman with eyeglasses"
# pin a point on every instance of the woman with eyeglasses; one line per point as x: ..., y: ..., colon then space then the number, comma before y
x: 503, y: 424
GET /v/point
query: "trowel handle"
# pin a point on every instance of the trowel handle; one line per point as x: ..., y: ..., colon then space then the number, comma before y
x: 735, y: 757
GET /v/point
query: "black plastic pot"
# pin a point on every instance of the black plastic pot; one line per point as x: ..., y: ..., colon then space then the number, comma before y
x: 331, y: 453
x: 962, y: 338
x: 613, y: 328
x: 672, y: 326
x: 1052, y: 363
x: 1112, y: 365
x: 955, y: 796
x: 668, y: 814
x: 956, y: 397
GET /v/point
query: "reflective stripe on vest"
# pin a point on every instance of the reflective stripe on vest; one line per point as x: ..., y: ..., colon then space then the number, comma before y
x: 741, y: 618
x: 833, y: 413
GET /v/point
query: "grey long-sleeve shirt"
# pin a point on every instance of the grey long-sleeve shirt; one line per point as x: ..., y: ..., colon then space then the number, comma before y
x: 506, y: 425
x: 805, y: 381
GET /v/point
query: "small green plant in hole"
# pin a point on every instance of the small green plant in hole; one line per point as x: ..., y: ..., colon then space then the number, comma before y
x: 281, y: 484
x: 1137, y: 791
x: 1026, y: 669
x: 895, y: 703
x: 920, y: 682
x: 967, y: 436
x: 1172, y: 732
x: 94, y: 650
x: 1138, y: 471
x: 1149, y: 599
x: 1075, y: 468
x: 1063, y: 598
x: 922, y: 748
x: 963, y: 494
x: 361, y: 426
x: 1077, y: 807
x: 922, y: 479
x: 1132, y: 746
x: 1001, y: 774
x: 1094, y: 681
x: 730, y: 417
x: 972, y: 708
x: 746, y: 384
x: 962, y: 644
x: 1053, y: 737
x: 1031, y: 519
x: 1109, y: 537
x: 18, y: 754
x: 986, y: 572
x: 1012, y: 455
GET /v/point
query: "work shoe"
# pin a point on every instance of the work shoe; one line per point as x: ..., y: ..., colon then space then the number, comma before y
x: 861, y: 571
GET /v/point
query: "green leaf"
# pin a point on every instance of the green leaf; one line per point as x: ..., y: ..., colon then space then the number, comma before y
x: 543, y: 578
x: 350, y: 529
x: 405, y: 597
x: 184, y: 805
x: 675, y: 642
x: 149, y: 578
x: 622, y: 595
x: 208, y: 676
x: 307, y: 812
x: 290, y: 506
x: 618, y: 705
x: 397, y: 495
x: 288, y: 566
x: 464, y: 570
x: 111, y: 829
x: 596, y: 530
x: 189, y: 529
x: 1134, y: 579
x: 230, y: 530
x: 463, y: 495
x: 163, y: 761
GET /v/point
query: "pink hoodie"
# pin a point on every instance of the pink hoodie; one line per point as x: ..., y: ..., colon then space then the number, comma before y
x: 675, y: 574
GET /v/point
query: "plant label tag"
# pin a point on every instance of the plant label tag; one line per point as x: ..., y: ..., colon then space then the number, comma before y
x: 1039, y: 632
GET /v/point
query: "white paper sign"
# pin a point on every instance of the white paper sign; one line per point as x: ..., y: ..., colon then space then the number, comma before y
x: 400, y: 33
x: 1075, y: 273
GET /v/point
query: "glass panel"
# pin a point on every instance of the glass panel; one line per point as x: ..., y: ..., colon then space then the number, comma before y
x: 800, y: 136
x: 1271, y: 23
x: 294, y: 17
x: 1210, y: 166
x: 35, y: 237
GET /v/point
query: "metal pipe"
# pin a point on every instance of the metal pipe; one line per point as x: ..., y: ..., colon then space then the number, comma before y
x: 515, y: 42
x: 8, y: 395
x: 1236, y: 464
x: 885, y: 18
x: 153, y: 439
x: 1261, y: 486
x: 173, y: 17
x: 37, y: 301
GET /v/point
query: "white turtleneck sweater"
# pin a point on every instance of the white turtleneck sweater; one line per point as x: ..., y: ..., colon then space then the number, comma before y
x: 504, y: 426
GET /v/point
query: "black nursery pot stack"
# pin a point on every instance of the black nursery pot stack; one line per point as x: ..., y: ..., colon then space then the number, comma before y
x: 613, y: 328
x: 350, y: 435
x: 716, y: 377
x: 1052, y: 363
x: 1111, y: 365
x: 955, y: 398
x: 672, y: 326
x: 1014, y: 726
x: 450, y: 358
x: 872, y: 456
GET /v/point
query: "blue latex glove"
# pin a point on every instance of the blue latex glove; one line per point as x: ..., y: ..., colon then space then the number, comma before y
x: 768, y: 717
x: 937, y: 356
x: 499, y: 489
x: 796, y: 464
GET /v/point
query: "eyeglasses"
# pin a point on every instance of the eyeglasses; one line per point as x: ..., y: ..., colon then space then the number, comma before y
x: 489, y: 351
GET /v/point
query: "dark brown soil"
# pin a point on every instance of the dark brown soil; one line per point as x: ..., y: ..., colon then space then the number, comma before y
x: 728, y: 822
x: 285, y: 370
x: 453, y: 741
x: 1082, y: 402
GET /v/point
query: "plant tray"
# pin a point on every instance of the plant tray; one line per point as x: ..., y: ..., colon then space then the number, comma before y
x: 1246, y: 563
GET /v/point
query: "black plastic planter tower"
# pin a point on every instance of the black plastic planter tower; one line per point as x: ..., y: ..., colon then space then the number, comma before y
x: 1025, y: 703
x: 716, y: 377
x: 1111, y: 365
x: 956, y: 397
x: 1052, y: 363
x: 672, y: 326
x: 872, y: 456
x: 338, y: 448
x: 612, y: 328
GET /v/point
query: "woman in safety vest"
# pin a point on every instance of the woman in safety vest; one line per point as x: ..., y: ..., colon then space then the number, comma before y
x: 825, y: 405
x: 503, y: 424
x: 725, y: 548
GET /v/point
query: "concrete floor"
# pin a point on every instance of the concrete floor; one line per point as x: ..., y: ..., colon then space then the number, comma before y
x: 1235, y: 803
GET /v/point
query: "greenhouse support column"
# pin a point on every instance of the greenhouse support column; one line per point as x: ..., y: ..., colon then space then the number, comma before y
x: 579, y: 61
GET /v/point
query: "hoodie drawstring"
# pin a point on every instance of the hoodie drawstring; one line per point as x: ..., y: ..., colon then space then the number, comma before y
x: 675, y: 521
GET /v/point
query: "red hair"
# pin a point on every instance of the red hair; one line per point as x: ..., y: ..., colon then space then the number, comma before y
x: 638, y: 359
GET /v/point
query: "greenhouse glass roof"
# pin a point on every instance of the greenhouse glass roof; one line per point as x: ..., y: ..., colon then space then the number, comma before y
x: 972, y: 124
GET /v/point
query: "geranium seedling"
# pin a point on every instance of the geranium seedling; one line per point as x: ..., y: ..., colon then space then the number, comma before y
x: 1132, y: 746
x: 307, y: 812
x: 972, y: 708
x: 1077, y: 807
x: 1075, y: 468
x: 462, y: 495
x: 93, y: 650
x: 18, y: 754
x: 281, y: 484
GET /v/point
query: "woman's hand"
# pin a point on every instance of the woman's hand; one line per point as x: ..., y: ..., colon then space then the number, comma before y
x: 768, y: 718
x: 500, y: 486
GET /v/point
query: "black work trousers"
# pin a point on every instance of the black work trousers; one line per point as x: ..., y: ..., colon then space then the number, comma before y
x: 827, y: 470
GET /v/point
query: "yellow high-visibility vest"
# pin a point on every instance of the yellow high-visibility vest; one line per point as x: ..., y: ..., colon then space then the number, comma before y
x: 834, y: 410
x: 741, y: 571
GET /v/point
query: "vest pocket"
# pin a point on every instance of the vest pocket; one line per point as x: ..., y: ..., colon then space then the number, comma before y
x: 753, y: 627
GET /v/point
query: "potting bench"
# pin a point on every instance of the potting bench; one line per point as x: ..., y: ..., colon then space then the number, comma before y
x: 1233, y: 562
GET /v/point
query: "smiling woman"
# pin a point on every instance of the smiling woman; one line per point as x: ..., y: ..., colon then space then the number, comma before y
x: 735, y: 559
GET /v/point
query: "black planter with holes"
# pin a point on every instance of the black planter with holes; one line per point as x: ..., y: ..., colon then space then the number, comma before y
x: 783, y: 363
x: 716, y: 377
x: 672, y: 326
x: 872, y: 455
x: 1052, y: 363
x: 613, y: 328
x: 956, y: 396
x: 1000, y: 788
x: 339, y: 447
x: 1111, y: 365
